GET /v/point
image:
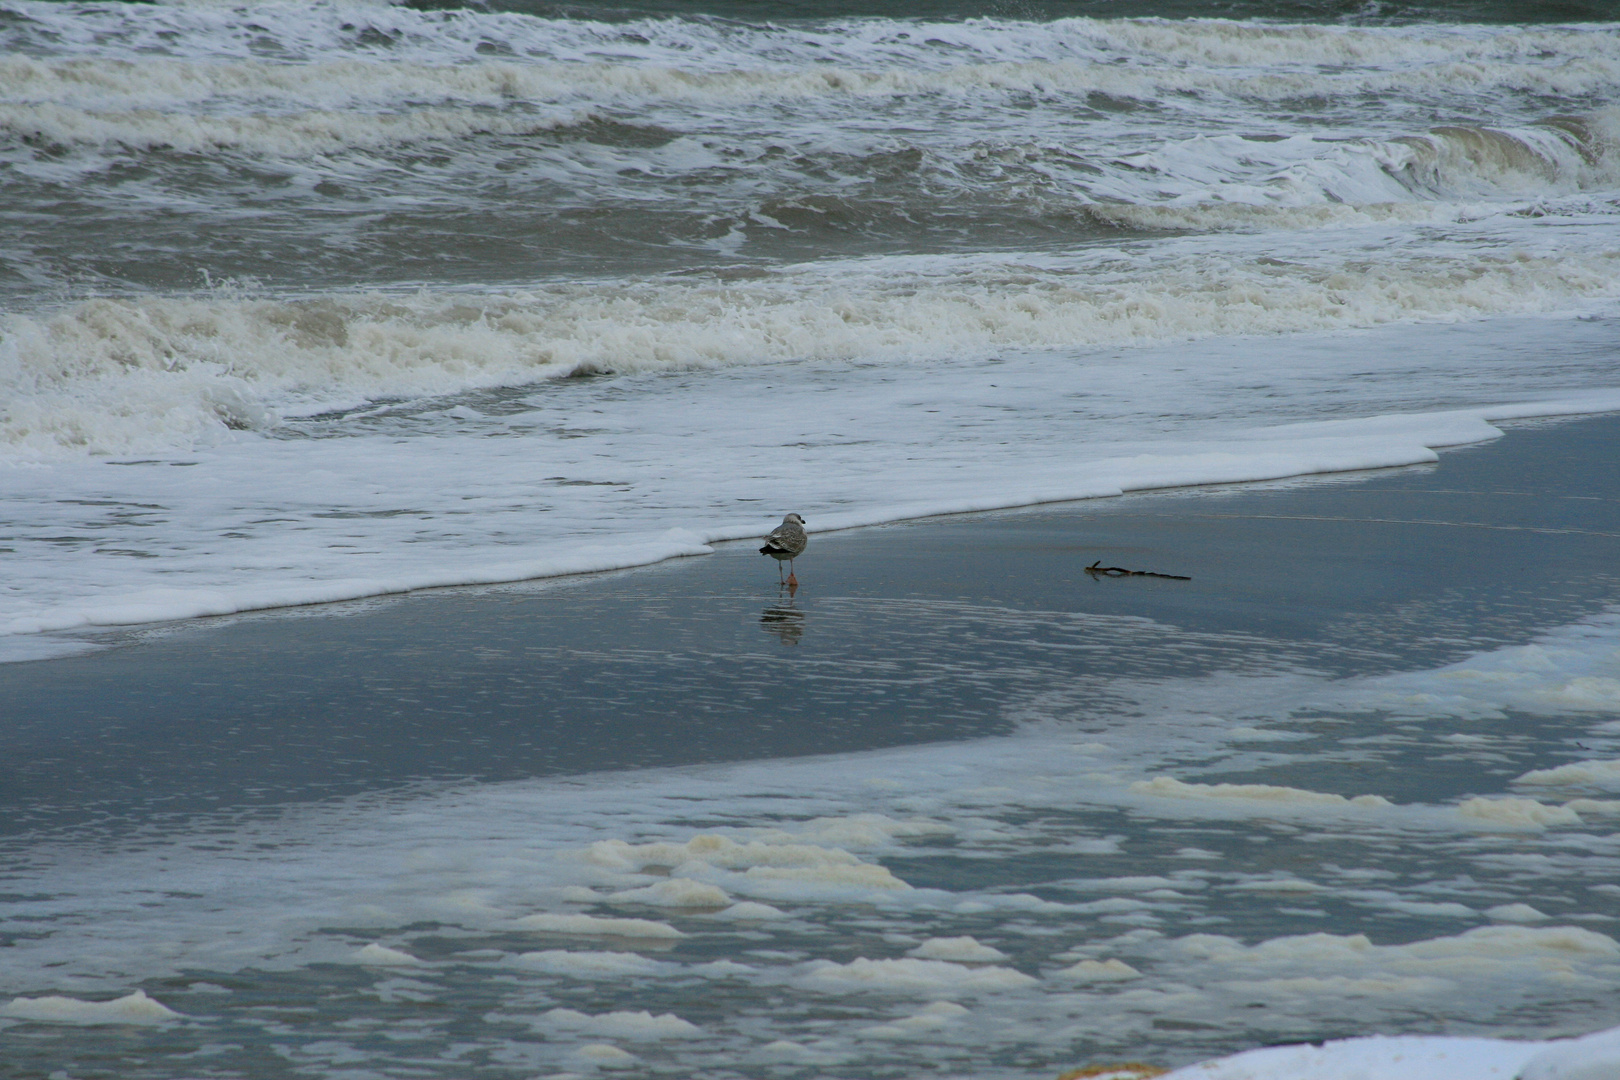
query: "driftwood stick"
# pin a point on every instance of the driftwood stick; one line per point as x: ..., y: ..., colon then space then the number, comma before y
x: 1097, y: 569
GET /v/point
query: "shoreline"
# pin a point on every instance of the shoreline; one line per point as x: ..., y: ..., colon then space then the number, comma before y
x: 1288, y: 451
x: 701, y: 660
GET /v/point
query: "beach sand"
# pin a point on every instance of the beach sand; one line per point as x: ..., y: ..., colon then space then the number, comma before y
x: 911, y: 633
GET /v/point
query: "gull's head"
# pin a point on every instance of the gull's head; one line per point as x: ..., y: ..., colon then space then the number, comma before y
x: 793, y: 519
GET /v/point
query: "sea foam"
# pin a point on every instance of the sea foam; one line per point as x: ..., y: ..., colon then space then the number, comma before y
x: 912, y: 968
x: 133, y: 1008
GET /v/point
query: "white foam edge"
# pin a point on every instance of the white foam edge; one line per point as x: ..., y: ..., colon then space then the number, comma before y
x: 1276, y: 453
x: 168, y: 605
x: 22, y: 648
x: 1419, y: 1057
x: 1166, y: 797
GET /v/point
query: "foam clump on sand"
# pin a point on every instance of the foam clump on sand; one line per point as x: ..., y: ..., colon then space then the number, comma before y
x: 962, y: 950
x: 1333, y: 969
x: 862, y: 877
x: 1168, y: 788
x: 675, y: 893
x: 643, y: 1026
x: 1520, y: 941
x: 1568, y: 670
x: 934, y: 1018
x: 1417, y: 1057
x: 1516, y: 913
x: 1099, y: 971
x: 1134, y: 883
x: 1280, y: 883
x: 1604, y: 774
x: 776, y: 867
x: 382, y: 956
x: 911, y: 976
x: 590, y: 965
x: 593, y: 925
x: 1585, y: 693
x: 749, y: 909
x: 1595, y: 807
x: 1509, y: 942
x: 785, y: 1050
x: 605, y: 1056
x: 135, y: 1008
x: 862, y: 831
x: 716, y: 851
x: 1510, y: 813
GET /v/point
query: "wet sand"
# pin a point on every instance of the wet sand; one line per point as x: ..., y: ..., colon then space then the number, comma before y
x: 949, y: 628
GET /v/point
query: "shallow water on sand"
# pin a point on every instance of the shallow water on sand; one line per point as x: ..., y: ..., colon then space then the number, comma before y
x: 1315, y: 791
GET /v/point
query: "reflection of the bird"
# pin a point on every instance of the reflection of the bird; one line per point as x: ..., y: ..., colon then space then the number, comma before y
x: 785, y: 621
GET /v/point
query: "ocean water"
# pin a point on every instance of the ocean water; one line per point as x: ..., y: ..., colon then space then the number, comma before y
x: 1184, y: 842
x: 307, y: 302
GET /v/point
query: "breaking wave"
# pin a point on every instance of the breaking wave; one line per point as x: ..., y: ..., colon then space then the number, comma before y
x: 114, y: 376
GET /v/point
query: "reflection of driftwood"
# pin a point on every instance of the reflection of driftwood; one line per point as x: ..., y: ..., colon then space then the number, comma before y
x: 1097, y: 569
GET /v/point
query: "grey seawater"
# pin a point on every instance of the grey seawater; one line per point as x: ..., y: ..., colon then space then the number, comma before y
x: 401, y: 837
x: 227, y: 813
x: 415, y: 153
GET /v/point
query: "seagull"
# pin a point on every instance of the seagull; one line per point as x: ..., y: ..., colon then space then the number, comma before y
x: 786, y: 541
